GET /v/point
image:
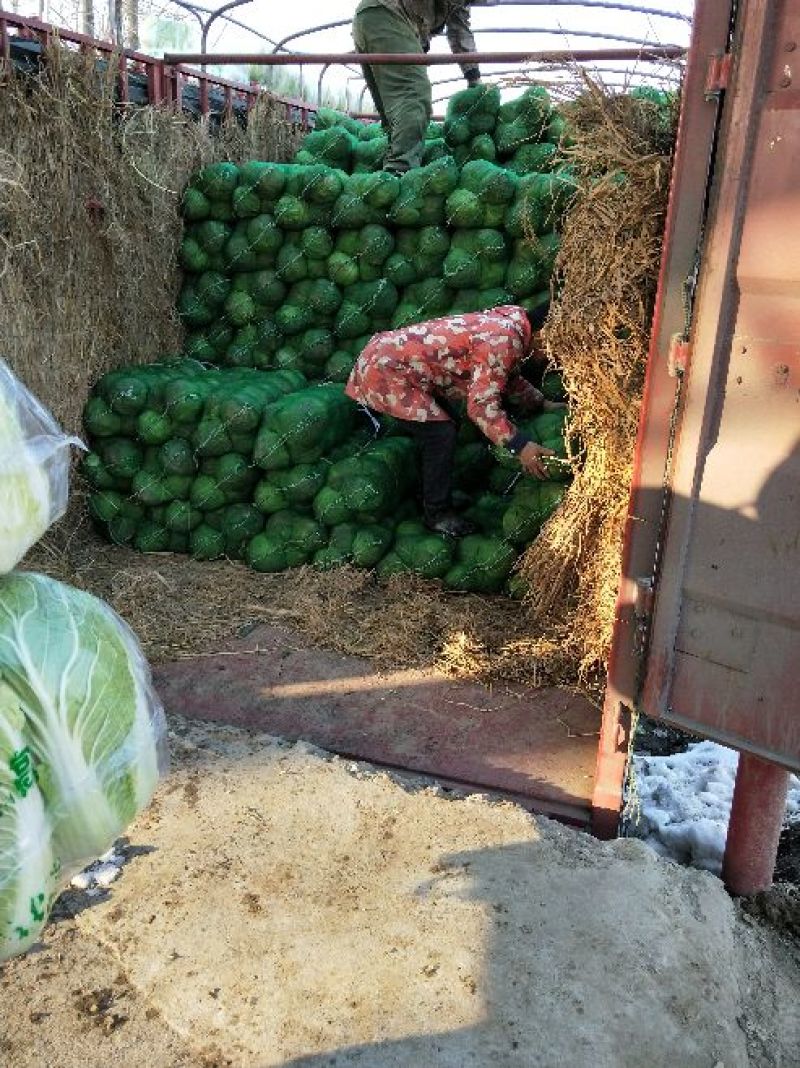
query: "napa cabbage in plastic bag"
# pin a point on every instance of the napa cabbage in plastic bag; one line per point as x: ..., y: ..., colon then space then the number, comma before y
x: 289, y: 540
x: 530, y: 158
x: 480, y: 147
x: 34, y: 469
x: 418, y: 549
x: 28, y: 867
x: 81, y: 743
x: 326, y: 118
x: 532, y: 504
x: 368, y: 485
x: 522, y: 121
x: 334, y: 146
x: 303, y: 427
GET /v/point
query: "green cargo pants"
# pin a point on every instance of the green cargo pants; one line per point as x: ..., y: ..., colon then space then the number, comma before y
x: 402, y: 94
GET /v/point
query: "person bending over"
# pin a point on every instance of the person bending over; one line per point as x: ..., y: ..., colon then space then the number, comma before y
x: 414, y: 374
x: 402, y: 94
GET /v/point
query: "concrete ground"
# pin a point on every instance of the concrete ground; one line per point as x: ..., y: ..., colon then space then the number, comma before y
x: 283, y: 907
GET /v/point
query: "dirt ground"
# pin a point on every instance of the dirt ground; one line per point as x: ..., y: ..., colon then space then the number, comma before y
x: 283, y: 907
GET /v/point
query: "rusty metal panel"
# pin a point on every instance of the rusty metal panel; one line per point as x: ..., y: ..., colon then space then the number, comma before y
x: 693, y: 154
x: 725, y: 646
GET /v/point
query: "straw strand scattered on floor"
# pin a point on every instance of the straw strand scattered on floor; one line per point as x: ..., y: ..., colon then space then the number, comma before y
x: 179, y: 607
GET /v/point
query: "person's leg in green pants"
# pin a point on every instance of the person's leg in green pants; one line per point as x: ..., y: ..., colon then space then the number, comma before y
x: 402, y: 94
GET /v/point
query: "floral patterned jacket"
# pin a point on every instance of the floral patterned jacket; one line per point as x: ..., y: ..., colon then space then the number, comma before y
x: 474, y: 357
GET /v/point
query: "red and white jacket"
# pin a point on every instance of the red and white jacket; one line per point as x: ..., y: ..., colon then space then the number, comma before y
x: 473, y: 357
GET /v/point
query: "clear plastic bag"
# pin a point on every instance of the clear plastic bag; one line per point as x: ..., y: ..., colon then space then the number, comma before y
x: 82, y: 743
x: 34, y: 469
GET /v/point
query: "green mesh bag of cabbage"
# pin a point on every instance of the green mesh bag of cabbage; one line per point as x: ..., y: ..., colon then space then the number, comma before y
x: 471, y: 114
x: 81, y: 743
x: 549, y: 430
x: 173, y: 443
x: 34, y: 469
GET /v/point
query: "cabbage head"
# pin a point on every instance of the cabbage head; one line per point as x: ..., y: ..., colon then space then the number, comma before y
x: 80, y: 701
x: 34, y: 470
x: 28, y: 867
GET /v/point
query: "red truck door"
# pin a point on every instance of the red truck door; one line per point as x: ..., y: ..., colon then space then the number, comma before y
x: 708, y: 624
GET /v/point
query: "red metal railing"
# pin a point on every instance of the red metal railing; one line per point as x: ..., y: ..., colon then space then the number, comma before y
x: 166, y: 82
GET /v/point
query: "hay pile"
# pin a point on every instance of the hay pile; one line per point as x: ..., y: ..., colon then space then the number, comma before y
x: 88, y: 277
x: 89, y: 222
x: 181, y: 607
x: 598, y: 332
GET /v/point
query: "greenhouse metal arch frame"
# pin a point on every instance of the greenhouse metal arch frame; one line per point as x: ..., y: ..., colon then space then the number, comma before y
x: 280, y: 46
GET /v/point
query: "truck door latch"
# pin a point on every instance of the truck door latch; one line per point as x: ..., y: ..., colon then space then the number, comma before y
x: 645, y: 595
x: 678, y: 357
x: 718, y: 75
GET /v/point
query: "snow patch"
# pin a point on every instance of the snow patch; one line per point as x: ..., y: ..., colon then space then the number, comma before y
x: 101, y: 874
x: 681, y: 804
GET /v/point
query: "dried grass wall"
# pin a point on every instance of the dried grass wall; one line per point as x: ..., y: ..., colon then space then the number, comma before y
x: 89, y: 222
x: 598, y: 333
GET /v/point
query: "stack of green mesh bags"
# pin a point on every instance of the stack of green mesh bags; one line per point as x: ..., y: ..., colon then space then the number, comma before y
x: 295, y: 266
x: 264, y: 467
x: 247, y: 447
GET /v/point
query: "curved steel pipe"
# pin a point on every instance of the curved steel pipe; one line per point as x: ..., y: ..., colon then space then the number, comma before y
x: 312, y: 29
x: 326, y: 67
x: 228, y: 18
x: 212, y: 18
x: 213, y: 15
x: 557, y: 31
x: 324, y: 71
x: 615, y: 5
x: 610, y: 4
x: 672, y: 75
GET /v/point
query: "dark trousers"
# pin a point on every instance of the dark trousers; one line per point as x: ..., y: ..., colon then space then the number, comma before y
x: 437, y: 446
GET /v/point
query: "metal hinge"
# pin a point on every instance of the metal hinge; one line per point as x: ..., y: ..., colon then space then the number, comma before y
x: 644, y: 601
x: 678, y: 356
x: 645, y: 596
x: 718, y: 74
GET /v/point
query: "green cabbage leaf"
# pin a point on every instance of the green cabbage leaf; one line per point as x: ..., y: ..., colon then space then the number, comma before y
x: 28, y: 867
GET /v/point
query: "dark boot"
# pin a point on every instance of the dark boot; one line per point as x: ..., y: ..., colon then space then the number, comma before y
x: 437, y: 443
x: 449, y: 524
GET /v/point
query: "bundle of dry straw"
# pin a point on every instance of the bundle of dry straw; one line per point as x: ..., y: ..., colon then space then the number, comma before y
x: 598, y: 333
x: 89, y: 221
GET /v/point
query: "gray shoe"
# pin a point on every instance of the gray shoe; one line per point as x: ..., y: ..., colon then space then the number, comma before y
x: 452, y: 526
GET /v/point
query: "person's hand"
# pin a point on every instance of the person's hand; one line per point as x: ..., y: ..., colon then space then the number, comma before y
x: 553, y: 406
x: 531, y: 459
